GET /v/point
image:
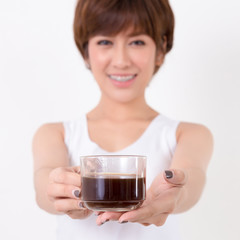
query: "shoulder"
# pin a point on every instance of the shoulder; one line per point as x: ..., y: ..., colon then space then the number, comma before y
x: 194, y: 145
x: 49, y: 128
x: 49, y: 132
x: 193, y: 130
x: 195, y: 140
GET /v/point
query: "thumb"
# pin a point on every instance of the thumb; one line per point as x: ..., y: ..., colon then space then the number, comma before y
x: 76, y: 169
x: 176, y: 177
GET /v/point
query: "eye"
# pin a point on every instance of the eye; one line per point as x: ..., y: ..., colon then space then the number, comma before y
x: 104, y: 42
x: 138, y: 42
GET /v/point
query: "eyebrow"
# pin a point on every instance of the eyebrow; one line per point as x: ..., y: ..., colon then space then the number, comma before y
x: 134, y: 34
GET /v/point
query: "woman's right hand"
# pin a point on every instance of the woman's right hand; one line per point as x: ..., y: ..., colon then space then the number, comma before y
x: 64, y: 189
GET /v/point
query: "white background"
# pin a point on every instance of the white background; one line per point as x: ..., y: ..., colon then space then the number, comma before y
x: 43, y: 79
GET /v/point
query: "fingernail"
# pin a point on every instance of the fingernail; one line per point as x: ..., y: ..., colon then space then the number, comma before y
x: 105, y: 222
x: 169, y: 174
x: 123, y: 222
x: 81, y: 205
x: 76, y: 193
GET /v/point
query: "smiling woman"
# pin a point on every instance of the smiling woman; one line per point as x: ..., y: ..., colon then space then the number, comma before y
x: 124, y: 43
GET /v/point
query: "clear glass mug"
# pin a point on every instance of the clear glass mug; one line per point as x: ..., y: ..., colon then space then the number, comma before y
x: 113, y: 182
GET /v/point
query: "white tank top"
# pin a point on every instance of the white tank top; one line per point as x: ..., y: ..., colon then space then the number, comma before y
x: 158, y: 143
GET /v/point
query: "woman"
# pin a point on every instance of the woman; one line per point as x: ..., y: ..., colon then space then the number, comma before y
x: 123, y: 43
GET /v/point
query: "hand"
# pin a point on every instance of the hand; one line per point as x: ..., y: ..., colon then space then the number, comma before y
x: 64, y: 190
x: 162, y: 199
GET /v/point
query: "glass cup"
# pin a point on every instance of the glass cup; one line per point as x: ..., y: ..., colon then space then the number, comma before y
x: 113, y: 182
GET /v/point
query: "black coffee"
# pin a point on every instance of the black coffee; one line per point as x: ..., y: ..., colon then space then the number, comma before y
x: 113, y: 192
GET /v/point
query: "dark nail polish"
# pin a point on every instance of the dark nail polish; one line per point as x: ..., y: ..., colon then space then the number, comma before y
x: 105, y: 221
x: 169, y: 174
x: 81, y: 205
x: 124, y: 222
x: 76, y: 193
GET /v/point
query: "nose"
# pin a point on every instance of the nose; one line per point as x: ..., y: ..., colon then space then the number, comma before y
x: 121, y: 58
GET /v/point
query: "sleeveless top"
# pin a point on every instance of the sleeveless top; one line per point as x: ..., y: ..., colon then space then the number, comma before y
x: 158, y: 143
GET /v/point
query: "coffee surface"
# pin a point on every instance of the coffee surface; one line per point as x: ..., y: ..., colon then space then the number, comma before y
x: 113, y: 191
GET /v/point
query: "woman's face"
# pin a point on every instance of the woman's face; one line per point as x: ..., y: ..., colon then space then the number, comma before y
x: 123, y: 65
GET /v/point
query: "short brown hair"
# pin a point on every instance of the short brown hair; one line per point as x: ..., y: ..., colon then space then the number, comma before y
x: 109, y: 17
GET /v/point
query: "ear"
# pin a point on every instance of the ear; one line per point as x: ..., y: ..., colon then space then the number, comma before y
x: 159, y: 58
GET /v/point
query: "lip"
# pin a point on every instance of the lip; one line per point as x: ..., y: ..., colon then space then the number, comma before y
x: 124, y: 84
x: 122, y: 75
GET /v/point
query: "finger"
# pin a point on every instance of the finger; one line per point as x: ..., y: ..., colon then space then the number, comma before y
x: 63, y: 191
x: 76, y: 169
x: 164, y: 204
x: 79, y: 214
x: 97, y: 213
x: 158, y: 220
x: 67, y: 204
x: 176, y: 177
x: 108, y: 216
x: 138, y: 215
x: 145, y: 224
x: 65, y: 176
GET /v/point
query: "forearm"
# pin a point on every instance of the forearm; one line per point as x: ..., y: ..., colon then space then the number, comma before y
x: 41, y: 180
x: 192, y: 190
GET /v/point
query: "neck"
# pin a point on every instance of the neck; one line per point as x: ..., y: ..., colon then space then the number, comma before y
x: 120, y: 111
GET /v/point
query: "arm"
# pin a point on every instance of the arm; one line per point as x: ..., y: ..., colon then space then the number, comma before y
x: 54, y: 181
x: 192, y: 156
x: 180, y: 192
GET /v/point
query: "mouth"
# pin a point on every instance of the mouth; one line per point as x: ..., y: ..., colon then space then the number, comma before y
x: 122, y: 78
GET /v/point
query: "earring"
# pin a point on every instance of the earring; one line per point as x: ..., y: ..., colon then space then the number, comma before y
x: 87, y: 65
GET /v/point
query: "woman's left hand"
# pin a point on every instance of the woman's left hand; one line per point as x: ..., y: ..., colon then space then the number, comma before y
x: 162, y: 199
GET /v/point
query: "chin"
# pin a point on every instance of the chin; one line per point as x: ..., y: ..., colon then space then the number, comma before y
x: 124, y: 98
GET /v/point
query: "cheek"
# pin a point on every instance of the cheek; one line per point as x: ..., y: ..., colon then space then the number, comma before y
x: 97, y: 59
x: 145, y: 62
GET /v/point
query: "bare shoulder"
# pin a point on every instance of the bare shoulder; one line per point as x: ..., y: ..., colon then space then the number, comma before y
x: 51, y: 130
x: 193, y: 131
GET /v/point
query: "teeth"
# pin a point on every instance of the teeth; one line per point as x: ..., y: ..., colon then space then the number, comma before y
x: 122, y: 78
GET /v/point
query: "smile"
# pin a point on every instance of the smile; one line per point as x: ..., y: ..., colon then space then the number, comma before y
x: 122, y: 78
